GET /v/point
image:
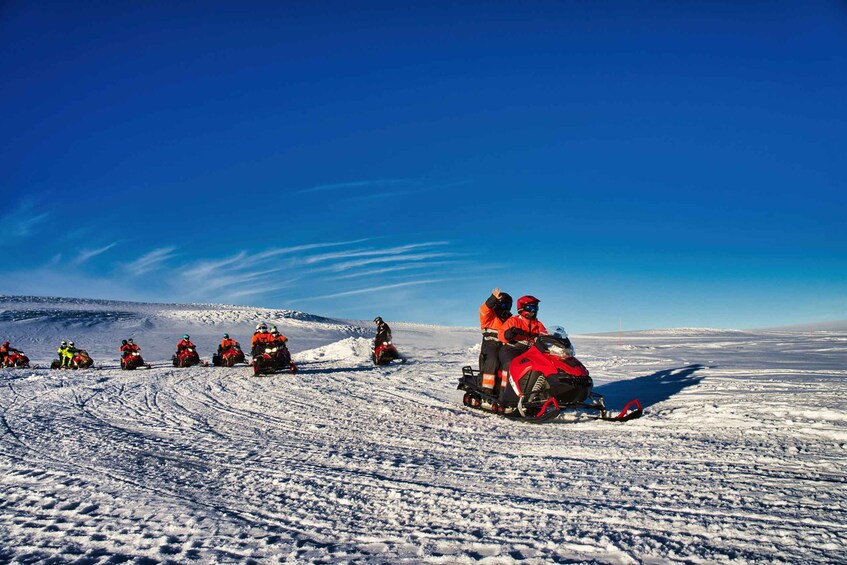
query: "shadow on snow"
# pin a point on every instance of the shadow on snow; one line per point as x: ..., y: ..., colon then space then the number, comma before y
x: 650, y: 389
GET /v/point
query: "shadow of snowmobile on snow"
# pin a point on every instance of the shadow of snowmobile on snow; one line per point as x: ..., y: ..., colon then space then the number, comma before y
x: 654, y: 388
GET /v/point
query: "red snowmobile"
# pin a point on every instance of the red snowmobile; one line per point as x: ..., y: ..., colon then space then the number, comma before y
x: 271, y: 358
x: 132, y: 360
x: 16, y: 359
x: 544, y: 380
x: 229, y: 358
x: 186, y: 357
x: 80, y: 360
x: 385, y: 353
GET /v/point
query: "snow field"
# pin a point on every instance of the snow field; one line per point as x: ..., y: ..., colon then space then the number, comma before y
x: 740, y: 456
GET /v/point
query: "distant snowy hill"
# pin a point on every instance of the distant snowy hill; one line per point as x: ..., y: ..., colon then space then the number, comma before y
x: 831, y: 326
x: 741, y: 456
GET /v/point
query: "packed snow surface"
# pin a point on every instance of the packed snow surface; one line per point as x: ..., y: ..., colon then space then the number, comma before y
x: 741, y: 455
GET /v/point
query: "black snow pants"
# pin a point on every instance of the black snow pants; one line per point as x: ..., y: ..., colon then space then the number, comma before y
x: 489, y: 358
x: 508, y: 397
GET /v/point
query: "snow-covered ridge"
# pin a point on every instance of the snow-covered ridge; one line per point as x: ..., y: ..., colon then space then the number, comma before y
x: 34, y: 304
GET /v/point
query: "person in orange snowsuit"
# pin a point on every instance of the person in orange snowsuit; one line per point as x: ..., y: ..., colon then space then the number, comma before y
x: 493, y: 312
x: 279, y: 339
x: 128, y: 347
x: 517, y: 334
x: 5, y: 349
x: 226, y: 343
x: 260, y: 337
x: 184, y: 343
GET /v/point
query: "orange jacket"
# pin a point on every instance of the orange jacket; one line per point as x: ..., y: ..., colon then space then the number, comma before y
x: 227, y: 343
x: 183, y: 344
x: 264, y: 337
x: 532, y: 327
x: 128, y: 348
x: 488, y: 319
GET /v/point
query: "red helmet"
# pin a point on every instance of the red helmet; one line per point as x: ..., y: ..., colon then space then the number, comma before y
x: 523, y: 301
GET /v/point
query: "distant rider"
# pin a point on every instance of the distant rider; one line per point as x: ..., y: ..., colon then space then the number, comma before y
x: 383, y: 332
x: 5, y: 349
x: 183, y: 344
x: 127, y: 348
x: 68, y: 355
x: 61, y: 351
x: 283, y: 356
x: 493, y: 312
x: 226, y: 343
x: 260, y: 337
x: 517, y: 335
x: 279, y: 339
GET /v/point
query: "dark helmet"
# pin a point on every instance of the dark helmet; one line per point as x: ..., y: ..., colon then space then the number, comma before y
x: 130, y: 341
x: 377, y: 320
x: 503, y: 308
x: 185, y: 337
x: 505, y: 303
x: 64, y: 343
x: 123, y: 342
x: 226, y: 336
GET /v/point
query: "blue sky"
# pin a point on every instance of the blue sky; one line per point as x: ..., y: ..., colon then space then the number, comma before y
x: 634, y: 165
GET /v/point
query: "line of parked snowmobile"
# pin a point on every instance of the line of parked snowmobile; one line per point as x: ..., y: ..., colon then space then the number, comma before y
x: 267, y: 358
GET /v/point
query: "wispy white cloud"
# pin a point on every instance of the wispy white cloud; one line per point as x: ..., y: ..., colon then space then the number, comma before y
x: 270, y: 253
x: 86, y: 254
x: 246, y: 273
x: 24, y: 220
x: 200, y: 270
x: 304, y: 267
x: 395, y: 251
x: 150, y: 261
x: 371, y: 289
x: 339, y: 267
x: 381, y: 195
x: 357, y: 184
x: 397, y: 268
x: 263, y: 289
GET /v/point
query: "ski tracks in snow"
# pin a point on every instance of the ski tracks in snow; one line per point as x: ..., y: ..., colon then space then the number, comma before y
x: 347, y: 462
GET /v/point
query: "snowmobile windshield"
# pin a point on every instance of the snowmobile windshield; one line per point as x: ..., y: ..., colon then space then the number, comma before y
x: 557, y: 345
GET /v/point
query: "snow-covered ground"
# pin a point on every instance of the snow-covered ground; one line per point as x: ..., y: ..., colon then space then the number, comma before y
x: 741, y: 455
